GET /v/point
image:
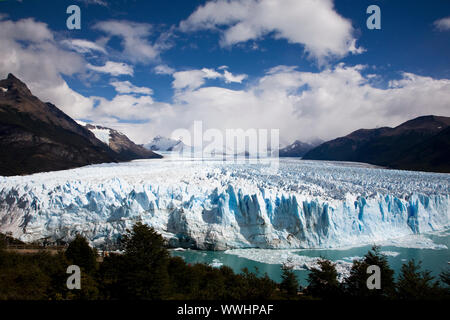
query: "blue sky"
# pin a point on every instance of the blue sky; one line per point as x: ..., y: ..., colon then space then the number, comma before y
x: 217, y: 59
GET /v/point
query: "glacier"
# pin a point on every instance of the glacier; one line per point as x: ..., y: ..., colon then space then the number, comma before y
x: 221, y: 205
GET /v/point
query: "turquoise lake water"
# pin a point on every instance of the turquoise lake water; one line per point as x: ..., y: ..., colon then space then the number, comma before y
x: 435, y: 260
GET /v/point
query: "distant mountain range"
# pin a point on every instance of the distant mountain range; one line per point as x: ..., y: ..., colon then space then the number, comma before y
x: 37, y: 136
x: 118, y: 142
x: 297, y: 149
x: 160, y: 143
x: 421, y: 144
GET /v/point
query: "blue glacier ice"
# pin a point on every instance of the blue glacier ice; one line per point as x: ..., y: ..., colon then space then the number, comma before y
x: 225, y: 205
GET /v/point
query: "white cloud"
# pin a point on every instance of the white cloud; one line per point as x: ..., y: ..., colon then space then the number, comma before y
x: 314, y: 24
x: 26, y: 30
x: 113, y: 68
x: 128, y: 87
x: 302, y: 105
x: 229, y: 77
x: 136, y: 47
x: 193, y: 79
x: 306, y: 105
x: 128, y: 108
x: 83, y: 46
x: 29, y: 51
x: 163, y: 69
x: 443, y: 24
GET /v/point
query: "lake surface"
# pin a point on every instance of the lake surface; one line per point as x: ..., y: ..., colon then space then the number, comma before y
x: 434, y: 257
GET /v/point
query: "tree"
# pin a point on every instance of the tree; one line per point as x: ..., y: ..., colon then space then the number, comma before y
x: 445, y: 277
x: 145, y: 275
x: 414, y: 284
x: 323, y: 281
x: 356, y: 283
x: 289, y: 284
x: 81, y: 254
x: 254, y: 287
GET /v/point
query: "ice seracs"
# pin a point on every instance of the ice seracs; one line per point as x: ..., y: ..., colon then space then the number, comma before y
x: 223, y: 205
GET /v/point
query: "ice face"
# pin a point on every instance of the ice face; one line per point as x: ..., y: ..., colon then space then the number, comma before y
x: 222, y: 205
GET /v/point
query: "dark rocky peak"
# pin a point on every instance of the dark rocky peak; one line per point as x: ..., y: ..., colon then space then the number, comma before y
x: 13, y: 85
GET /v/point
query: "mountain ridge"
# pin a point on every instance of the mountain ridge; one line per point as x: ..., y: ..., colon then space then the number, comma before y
x: 297, y: 149
x: 36, y: 136
x: 122, y: 145
x: 406, y: 146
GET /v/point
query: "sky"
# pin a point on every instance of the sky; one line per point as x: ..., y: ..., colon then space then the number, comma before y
x: 310, y: 68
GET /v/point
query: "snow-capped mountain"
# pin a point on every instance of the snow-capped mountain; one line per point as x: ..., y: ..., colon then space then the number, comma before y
x: 160, y: 143
x: 221, y: 205
x: 297, y: 149
x: 119, y: 142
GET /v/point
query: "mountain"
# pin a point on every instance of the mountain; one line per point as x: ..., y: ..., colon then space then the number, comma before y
x: 118, y: 142
x: 297, y: 149
x: 420, y: 144
x: 160, y: 143
x: 37, y: 136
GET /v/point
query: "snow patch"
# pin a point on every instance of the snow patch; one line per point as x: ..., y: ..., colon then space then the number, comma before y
x: 81, y: 123
x: 102, y: 134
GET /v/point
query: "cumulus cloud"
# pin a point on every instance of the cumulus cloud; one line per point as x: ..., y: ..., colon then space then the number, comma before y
x: 307, y: 105
x: 443, y: 24
x: 303, y: 105
x: 136, y: 47
x: 30, y: 52
x: 113, y: 68
x: 128, y: 108
x: 128, y: 87
x: 314, y: 24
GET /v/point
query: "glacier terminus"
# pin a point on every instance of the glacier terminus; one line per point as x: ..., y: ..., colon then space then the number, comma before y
x: 216, y: 205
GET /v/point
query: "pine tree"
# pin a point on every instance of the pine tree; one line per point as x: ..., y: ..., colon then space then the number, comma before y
x: 145, y: 275
x: 445, y: 277
x: 414, y: 284
x: 356, y: 283
x: 289, y: 284
x: 81, y: 254
x: 323, y: 281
